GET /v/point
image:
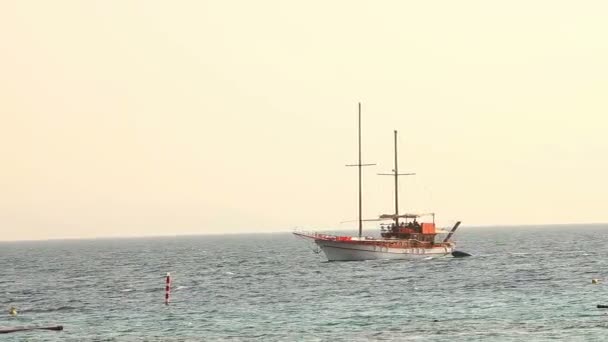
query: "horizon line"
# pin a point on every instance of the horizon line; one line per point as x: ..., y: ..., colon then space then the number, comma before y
x: 125, y: 237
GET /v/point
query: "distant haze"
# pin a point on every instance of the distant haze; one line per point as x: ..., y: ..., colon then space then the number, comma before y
x: 127, y: 118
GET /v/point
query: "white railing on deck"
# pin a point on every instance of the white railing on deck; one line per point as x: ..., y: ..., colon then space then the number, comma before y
x: 316, y: 235
x: 329, y: 237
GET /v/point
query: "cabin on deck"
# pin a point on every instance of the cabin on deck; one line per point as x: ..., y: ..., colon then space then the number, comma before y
x: 409, y: 228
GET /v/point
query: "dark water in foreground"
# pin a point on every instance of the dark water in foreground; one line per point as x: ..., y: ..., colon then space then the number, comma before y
x: 523, y: 284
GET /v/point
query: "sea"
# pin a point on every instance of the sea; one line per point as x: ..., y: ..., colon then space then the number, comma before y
x: 529, y: 283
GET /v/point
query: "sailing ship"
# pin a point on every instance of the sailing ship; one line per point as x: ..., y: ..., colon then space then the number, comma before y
x: 403, y: 237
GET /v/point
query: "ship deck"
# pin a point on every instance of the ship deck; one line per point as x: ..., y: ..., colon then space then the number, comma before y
x: 367, y: 240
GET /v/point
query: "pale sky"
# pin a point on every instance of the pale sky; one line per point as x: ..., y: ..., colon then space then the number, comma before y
x: 128, y: 118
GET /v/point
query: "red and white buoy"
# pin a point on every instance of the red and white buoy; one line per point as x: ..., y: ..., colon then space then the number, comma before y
x: 168, y: 289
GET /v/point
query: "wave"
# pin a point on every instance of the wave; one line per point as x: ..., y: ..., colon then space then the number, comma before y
x: 44, y: 310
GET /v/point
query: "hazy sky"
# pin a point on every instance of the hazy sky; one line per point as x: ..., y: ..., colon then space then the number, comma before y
x: 180, y: 117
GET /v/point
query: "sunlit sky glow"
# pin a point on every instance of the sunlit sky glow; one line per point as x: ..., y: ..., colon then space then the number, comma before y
x: 128, y: 118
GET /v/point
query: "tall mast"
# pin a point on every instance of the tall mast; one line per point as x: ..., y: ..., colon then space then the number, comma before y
x: 360, y: 165
x: 396, y: 174
x: 396, y: 170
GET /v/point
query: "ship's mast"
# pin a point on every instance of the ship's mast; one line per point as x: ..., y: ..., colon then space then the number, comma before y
x: 396, y: 170
x: 360, y: 165
x: 396, y: 174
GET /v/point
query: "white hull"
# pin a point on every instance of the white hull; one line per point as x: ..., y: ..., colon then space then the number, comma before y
x: 341, y: 251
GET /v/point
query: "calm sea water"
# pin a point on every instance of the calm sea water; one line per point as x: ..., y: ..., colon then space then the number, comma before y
x: 522, y: 284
